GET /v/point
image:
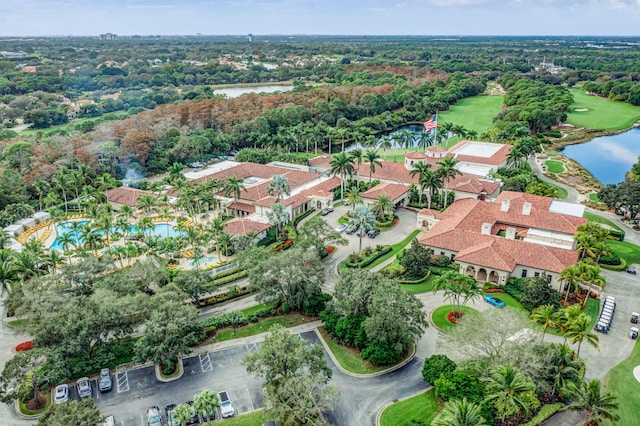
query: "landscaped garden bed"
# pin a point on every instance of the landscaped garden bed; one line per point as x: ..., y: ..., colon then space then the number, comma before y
x: 367, y: 256
x: 440, y: 316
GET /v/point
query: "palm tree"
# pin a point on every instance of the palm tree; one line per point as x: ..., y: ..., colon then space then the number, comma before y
x: 586, y: 244
x: 386, y: 143
x: 461, y: 412
x: 598, y: 406
x: 446, y: 128
x: 66, y: 240
x: 353, y: 198
x: 175, y: 173
x: 580, y: 330
x: 472, y: 135
x: 373, y: 159
x: 407, y: 139
x: 41, y: 188
x: 570, y: 276
x: 62, y: 181
x: 446, y: 170
x: 54, y: 260
x: 206, y: 402
x: 144, y: 224
x: 397, y: 139
x: 234, y: 186
x: 224, y: 240
x: 105, y: 223
x: 357, y: 156
x: 564, y: 366
x: 342, y: 165
x: 431, y: 183
x: 278, y: 186
x: 370, y: 142
x: 182, y: 414
x: 419, y: 169
x: 425, y: 139
x: 506, y: 385
x: 383, y: 206
x: 459, y: 130
x: 543, y: 316
x: 146, y: 203
x: 364, y: 220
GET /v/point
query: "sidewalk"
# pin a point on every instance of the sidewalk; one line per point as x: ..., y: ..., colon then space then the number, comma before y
x: 249, y: 340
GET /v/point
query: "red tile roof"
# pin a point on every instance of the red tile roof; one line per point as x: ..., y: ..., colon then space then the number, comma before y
x: 393, y: 190
x: 242, y: 226
x: 126, y: 195
x: 243, y: 207
x: 437, y: 148
x: 415, y: 155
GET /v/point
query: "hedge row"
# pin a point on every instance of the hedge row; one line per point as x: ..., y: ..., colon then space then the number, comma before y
x: 613, y: 260
x: 621, y: 267
x: 223, y: 297
x: 227, y: 273
x: 301, y: 216
x: 370, y: 259
x: 224, y: 320
x: 618, y: 235
x: 230, y: 278
x: 418, y: 281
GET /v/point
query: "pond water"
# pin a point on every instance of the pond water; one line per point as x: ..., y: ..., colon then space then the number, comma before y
x: 234, y: 92
x: 607, y: 158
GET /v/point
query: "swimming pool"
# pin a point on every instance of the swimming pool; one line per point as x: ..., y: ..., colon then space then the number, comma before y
x: 205, y: 261
x: 164, y: 230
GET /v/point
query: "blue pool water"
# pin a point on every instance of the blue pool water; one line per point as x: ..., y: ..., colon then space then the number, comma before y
x: 206, y: 261
x: 159, y: 229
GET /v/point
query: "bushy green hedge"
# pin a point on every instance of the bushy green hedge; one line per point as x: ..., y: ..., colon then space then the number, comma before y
x: 418, y: 281
x: 230, y: 278
x: 618, y: 235
x: 301, y: 216
x: 545, y: 412
x: 224, y: 320
x: 370, y: 259
x: 223, y: 297
x: 227, y: 273
x: 613, y: 260
x: 621, y: 267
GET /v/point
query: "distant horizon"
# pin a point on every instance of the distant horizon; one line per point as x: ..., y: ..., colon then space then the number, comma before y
x: 64, y: 18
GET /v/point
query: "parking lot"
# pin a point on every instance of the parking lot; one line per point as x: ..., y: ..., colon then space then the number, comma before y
x: 134, y: 391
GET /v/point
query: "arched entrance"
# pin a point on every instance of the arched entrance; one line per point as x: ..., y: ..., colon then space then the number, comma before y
x: 482, y: 276
x: 470, y: 271
x: 493, y: 277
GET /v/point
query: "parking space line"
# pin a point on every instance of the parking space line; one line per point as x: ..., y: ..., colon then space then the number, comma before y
x: 252, y: 348
x: 229, y: 355
x: 250, y: 399
x: 123, y: 381
x: 205, y: 362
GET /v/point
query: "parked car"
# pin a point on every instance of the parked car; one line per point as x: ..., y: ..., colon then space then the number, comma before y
x: 195, y: 418
x: 84, y: 387
x: 226, y: 406
x: 104, y: 382
x: 492, y: 300
x: 373, y: 233
x: 632, y: 270
x: 195, y: 165
x: 352, y: 229
x: 326, y: 211
x: 154, y: 418
x: 61, y: 394
x: 342, y: 227
x: 168, y: 410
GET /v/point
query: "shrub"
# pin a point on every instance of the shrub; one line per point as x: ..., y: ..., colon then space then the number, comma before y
x: 225, y: 320
x: 24, y: 346
x: 493, y: 290
x: 618, y: 235
x: 441, y: 261
x: 613, y: 260
x: 436, y: 365
x: 230, y: 278
x: 301, y: 216
x: 284, y: 245
x: 285, y: 308
x: 253, y: 318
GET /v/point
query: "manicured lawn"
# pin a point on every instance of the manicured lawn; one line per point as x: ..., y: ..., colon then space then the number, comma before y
x: 261, y: 326
x: 396, y: 248
x: 508, y: 300
x: 439, y: 315
x: 594, y: 197
x: 621, y: 382
x: 629, y: 252
x: 422, y: 408
x: 595, y: 218
x: 18, y: 323
x: 348, y: 357
x: 46, y: 395
x: 591, y: 310
x: 601, y: 113
x: 474, y: 113
x: 555, y: 166
x: 252, y: 310
x: 562, y: 193
x: 253, y: 418
x: 419, y: 288
x: 71, y: 126
x: 552, y: 154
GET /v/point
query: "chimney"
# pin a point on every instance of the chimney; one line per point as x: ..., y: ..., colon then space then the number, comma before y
x: 486, y: 229
x: 505, y: 205
x: 526, y: 209
x: 511, y: 233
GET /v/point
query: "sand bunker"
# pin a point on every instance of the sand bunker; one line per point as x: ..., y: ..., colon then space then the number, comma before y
x: 581, y: 109
x: 636, y: 373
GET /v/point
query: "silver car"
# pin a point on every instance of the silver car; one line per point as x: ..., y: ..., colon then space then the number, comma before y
x: 84, y: 387
x: 104, y: 383
x: 62, y: 394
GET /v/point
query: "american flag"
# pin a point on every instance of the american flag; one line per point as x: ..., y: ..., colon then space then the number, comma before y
x: 431, y: 124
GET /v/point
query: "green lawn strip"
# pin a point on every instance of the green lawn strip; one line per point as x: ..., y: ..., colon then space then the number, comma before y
x: 596, y: 218
x: 602, y: 113
x: 594, y: 197
x: 473, y: 113
x: 18, y: 323
x: 562, y: 193
x: 263, y: 325
x: 349, y: 358
x: 421, y: 408
x: 419, y: 288
x: 555, y: 166
x: 395, y: 249
x: 552, y: 154
x: 253, y: 309
x: 591, y: 310
x: 439, y: 315
x: 621, y: 382
x: 627, y: 251
x: 508, y: 300
x: 253, y: 418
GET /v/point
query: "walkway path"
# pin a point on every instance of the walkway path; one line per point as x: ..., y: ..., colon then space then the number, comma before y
x: 573, y: 195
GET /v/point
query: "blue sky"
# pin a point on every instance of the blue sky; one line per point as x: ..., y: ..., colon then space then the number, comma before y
x: 385, y: 17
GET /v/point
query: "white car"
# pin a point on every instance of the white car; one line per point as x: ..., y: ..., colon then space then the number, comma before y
x: 342, y: 227
x: 84, y: 387
x: 61, y: 394
x: 226, y: 406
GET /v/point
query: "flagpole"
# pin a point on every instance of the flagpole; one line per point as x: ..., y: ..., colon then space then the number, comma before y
x: 435, y: 135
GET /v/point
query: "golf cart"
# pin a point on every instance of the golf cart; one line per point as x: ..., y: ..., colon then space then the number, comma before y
x: 634, y: 317
x: 633, y: 333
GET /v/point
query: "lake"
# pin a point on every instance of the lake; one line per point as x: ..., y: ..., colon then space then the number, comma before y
x: 607, y: 158
x: 234, y: 92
